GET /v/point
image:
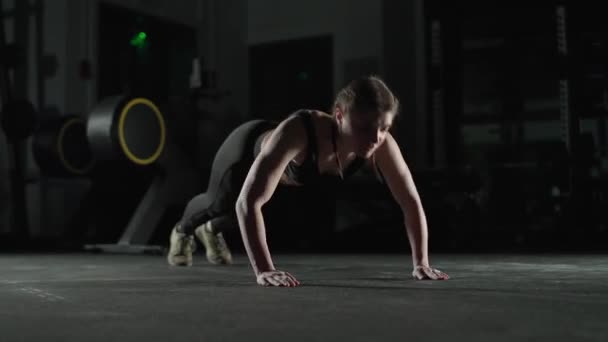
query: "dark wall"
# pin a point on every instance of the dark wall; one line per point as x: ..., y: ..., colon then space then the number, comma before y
x: 158, y: 69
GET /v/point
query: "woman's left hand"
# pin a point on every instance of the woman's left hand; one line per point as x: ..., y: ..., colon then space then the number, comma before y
x: 428, y: 273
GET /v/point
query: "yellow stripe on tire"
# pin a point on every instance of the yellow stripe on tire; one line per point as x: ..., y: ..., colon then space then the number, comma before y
x: 59, y: 146
x: 121, y: 131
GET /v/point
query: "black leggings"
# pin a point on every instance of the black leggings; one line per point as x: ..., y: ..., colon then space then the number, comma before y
x: 230, y: 167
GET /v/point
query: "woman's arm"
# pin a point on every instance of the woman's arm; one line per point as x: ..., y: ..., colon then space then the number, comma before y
x: 286, y: 141
x: 401, y: 184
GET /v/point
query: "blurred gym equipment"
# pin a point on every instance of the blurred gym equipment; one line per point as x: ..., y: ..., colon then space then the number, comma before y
x: 61, y: 148
x: 18, y: 119
x: 132, y: 130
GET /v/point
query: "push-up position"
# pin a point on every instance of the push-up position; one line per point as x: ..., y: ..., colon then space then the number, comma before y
x: 307, y: 147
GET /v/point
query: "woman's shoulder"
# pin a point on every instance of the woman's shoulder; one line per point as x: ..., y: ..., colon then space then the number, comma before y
x: 314, y: 113
x: 322, y: 123
x: 321, y: 115
x: 295, y: 122
x: 319, y: 118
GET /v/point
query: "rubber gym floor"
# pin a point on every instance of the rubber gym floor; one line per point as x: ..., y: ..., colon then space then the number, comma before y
x: 343, y: 297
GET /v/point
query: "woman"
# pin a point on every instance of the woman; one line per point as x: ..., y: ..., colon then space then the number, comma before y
x: 308, y: 147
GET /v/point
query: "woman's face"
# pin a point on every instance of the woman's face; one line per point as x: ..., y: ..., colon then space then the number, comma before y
x: 365, y: 132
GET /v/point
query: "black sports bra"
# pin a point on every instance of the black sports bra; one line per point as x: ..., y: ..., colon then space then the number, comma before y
x: 308, y: 171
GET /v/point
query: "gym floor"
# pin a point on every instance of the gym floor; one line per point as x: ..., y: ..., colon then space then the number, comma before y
x: 364, y: 297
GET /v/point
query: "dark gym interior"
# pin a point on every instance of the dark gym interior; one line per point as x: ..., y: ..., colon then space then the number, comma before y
x: 112, y: 111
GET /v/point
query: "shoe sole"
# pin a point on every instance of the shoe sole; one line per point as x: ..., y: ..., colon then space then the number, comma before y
x: 174, y: 262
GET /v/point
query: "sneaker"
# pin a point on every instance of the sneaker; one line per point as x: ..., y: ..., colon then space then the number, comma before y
x: 216, y: 248
x: 181, y: 247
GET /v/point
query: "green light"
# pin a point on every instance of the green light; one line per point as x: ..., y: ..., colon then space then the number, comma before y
x: 139, y: 40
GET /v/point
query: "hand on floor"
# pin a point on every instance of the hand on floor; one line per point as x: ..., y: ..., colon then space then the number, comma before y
x: 428, y: 273
x: 277, y: 278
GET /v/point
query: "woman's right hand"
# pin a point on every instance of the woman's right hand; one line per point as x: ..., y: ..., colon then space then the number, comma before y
x: 277, y: 278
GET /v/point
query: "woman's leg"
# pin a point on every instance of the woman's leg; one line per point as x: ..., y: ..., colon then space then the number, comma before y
x: 209, y: 213
x: 217, y: 201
